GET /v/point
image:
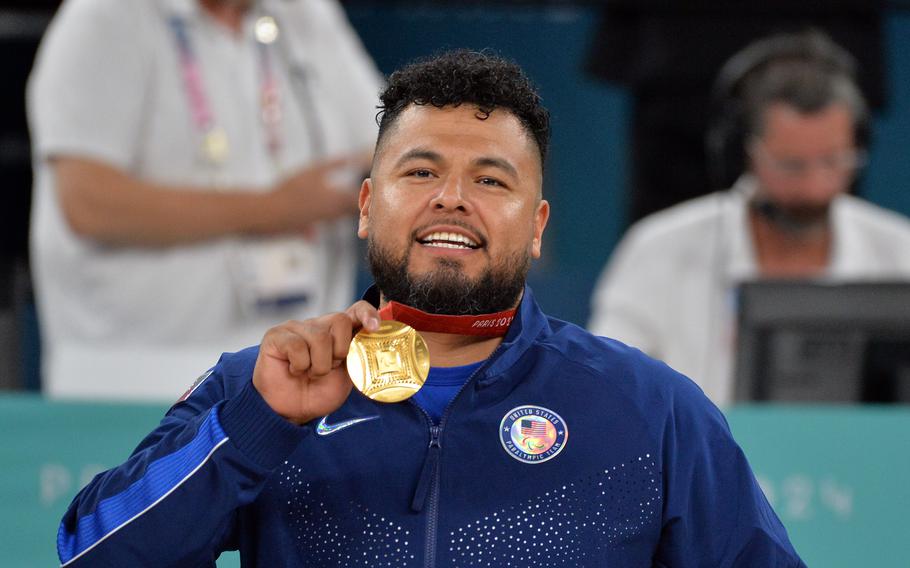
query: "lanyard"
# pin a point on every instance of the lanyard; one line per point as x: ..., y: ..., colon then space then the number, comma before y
x: 215, y: 145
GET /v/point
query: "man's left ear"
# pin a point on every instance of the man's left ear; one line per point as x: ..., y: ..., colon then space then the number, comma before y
x: 540, y: 223
x: 366, y: 195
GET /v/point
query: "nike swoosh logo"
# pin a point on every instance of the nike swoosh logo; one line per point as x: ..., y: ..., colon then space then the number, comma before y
x: 324, y: 428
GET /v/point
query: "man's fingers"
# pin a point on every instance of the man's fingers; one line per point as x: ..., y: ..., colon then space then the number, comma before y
x: 316, y: 347
x: 285, y: 343
x: 342, y: 333
x: 298, y: 355
x: 321, y: 351
x: 364, y: 315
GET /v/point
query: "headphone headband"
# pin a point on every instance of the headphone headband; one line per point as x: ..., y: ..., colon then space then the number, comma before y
x: 727, y: 126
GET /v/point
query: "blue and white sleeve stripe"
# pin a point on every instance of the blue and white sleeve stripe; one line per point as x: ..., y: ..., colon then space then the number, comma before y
x: 161, y: 478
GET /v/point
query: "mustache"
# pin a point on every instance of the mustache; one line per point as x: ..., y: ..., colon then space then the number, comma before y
x: 795, y: 217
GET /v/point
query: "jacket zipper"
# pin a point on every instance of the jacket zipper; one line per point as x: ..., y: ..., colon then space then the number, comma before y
x: 428, y: 484
x: 433, y: 513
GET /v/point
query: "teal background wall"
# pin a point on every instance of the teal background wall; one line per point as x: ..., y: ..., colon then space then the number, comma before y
x: 837, y: 476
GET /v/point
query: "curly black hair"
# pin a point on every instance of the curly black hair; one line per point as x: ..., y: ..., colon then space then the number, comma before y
x: 463, y: 76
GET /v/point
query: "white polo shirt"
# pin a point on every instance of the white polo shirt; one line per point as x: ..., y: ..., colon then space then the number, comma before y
x: 132, y: 322
x: 669, y: 288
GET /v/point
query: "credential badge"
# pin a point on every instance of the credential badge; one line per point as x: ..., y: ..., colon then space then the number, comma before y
x: 533, y: 434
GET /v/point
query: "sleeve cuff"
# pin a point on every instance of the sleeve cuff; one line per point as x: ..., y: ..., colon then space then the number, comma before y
x: 85, y: 148
x: 257, y: 431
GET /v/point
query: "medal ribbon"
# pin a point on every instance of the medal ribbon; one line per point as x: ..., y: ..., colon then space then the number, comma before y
x: 203, y: 118
x: 488, y: 325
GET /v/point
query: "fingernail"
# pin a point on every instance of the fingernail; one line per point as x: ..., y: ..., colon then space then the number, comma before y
x: 372, y: 324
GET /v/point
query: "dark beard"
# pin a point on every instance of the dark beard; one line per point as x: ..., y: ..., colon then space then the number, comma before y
x: 798, y: 219
x: 446, y: 290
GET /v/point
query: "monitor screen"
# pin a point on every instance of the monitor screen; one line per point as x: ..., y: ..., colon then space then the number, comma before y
x: 820, y: 342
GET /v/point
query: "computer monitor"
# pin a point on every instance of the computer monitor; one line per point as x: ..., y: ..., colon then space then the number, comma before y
x: 804, y: 341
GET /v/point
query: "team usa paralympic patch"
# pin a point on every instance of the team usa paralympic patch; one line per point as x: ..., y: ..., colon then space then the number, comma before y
x: 533, y: 434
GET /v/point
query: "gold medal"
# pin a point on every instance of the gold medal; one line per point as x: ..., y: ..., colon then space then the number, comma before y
x: 215, y: 146
x: 389, y: 364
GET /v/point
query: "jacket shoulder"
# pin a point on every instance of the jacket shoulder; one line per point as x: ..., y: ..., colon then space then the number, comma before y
x: 222, y: 381
x: 619, y: 369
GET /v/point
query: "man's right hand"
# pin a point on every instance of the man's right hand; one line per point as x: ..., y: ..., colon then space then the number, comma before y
x: 301, y: 372
x: 323, y: 191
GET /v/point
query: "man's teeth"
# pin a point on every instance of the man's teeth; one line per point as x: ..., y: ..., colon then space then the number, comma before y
x: 449, y: 240
x: 447, y: 245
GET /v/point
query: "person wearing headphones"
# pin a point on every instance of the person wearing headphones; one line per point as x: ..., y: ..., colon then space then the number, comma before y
x: 793, y: 110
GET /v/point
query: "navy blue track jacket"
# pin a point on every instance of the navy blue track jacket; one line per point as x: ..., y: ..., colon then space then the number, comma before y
x: 563, y: 449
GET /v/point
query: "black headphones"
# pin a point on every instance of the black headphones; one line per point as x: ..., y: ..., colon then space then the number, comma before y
x: 727, y: 129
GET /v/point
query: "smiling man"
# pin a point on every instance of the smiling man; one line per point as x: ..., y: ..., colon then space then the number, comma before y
x: 532, y: 443
x: 475, y: 211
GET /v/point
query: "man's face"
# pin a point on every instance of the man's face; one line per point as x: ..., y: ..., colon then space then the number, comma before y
x: 452, y: 210
x: 803, y: 161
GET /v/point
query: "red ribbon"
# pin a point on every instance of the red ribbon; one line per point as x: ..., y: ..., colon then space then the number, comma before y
x: 489, y: 325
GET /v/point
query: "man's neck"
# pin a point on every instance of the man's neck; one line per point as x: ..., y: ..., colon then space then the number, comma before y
x: 228, y: 14
x: 452, y: 350
x: 786, y: 254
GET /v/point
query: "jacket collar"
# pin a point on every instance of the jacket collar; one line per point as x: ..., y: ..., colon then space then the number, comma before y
x: 528, y: 324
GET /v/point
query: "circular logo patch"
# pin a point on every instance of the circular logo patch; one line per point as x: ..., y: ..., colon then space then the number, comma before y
x: 533, y: 434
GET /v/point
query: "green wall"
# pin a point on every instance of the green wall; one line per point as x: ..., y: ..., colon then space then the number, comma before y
x: 836, y: 475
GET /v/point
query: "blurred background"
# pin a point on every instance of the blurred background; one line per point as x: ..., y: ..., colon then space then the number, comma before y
x: 628, y: 85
